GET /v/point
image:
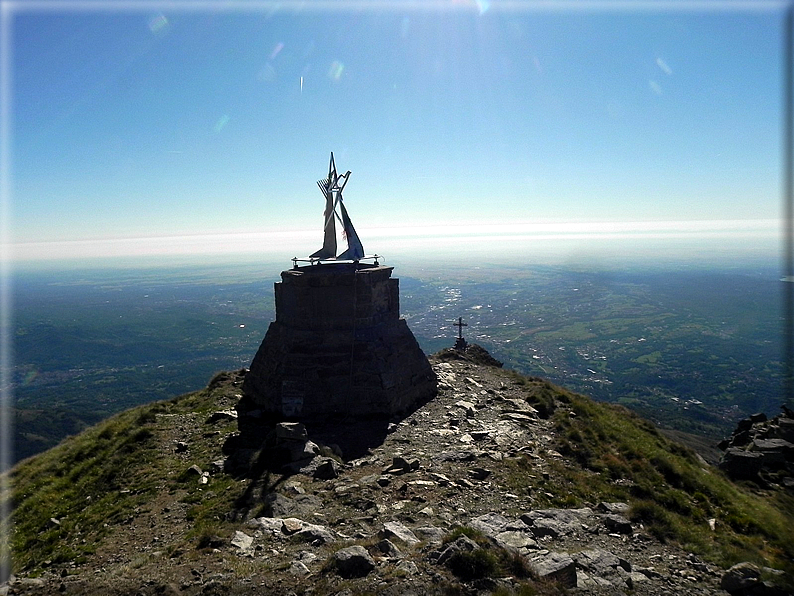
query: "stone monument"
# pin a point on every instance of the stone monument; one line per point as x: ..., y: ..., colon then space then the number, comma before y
x: 338, y: 345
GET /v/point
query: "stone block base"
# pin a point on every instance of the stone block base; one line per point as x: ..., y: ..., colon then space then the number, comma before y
x: 338, y: 347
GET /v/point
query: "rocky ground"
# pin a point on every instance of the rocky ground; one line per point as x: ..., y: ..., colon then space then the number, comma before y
x: 761, y: 450
x: 385, y: 520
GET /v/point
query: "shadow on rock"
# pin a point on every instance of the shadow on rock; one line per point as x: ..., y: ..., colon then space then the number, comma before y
x: 266, y: 451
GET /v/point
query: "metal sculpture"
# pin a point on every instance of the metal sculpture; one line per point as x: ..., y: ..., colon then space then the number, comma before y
x: 332, y: 187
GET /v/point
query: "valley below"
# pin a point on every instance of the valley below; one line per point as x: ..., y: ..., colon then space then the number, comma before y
x: 692, y: 350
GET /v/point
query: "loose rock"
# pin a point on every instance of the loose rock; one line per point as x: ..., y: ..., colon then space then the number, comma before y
x: 242, y: 541
x: 353, y: 561
x: 394, y: 529
x: 559, y: 567
x: 741, y: 578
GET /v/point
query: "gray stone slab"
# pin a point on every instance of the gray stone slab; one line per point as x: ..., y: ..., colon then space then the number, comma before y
x: 559, y: 567
x: 489, y: 524
x: 394, y: 529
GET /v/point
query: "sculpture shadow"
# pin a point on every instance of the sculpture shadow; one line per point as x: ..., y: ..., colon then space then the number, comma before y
x: 349, y: 437
x: 253, y: 456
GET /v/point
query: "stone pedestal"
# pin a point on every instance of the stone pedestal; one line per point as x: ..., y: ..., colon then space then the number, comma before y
x: 338, y: 347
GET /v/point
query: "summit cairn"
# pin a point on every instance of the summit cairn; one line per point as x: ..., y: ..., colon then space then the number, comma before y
x: 338, y: 345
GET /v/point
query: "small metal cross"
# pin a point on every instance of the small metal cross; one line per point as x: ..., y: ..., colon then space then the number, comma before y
x: 460, y: 325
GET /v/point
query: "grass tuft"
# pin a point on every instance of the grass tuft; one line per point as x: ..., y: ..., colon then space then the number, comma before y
x: 477, y: 564
x: 489, y: 560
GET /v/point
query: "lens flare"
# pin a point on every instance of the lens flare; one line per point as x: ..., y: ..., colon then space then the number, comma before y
x: 158, y: 23
x: 276, y: 50
x: 663, y: 65
x: 335, y: 71
x: 29, y: 378
x: 221, y: 123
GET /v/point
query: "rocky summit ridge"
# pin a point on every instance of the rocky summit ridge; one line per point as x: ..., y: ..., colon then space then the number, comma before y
x: 501, y: 484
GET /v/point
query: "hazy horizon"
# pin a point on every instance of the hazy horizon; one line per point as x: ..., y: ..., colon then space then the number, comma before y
x: 710, y: 242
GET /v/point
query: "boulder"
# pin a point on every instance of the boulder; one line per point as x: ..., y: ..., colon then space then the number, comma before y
x: 586, y: 582
x: 547, y: 527
x: 785, y: 429
x: 556, y: 522
x: 617, y: 508
x: 489, y: 524
x: 479, y: 473
x: 558, y: 567
x: 222, y: 415
x: 741, y: 464
x: 300, y: 451
x: 463, y: 544
x: 408, y: 567
x: 278, y: 505
x: 353, y: 561
x: 515, y: 540
x: 388, y: 548
x: 242, y: 541
x: 291, y: 525
x: 617, y: 524
x: 193, y: 470
x: 567, y: 520
x: 741, y: 578
x: 306, y: 557
x: 294, y: 527
x: 395, y: 529
x: 600, y: 562
x: 742, y: 425
x: 648, y: 572
x: 480, y: 435
x: 328, y: 469
x: 269, y: 525
x: 761, y: 450
x: 468, y: 408
x: 290, y: 431
x: 635, y: 578
x: 315, y: 534
x: 299, y: 568
x: 430, y: 534
x: 400, y: 465
x: 776, y: 451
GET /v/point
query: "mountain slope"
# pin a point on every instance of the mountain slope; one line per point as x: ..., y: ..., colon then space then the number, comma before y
x: 140, y: 503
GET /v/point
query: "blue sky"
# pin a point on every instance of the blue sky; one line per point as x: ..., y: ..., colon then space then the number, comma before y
x: 167, y: 120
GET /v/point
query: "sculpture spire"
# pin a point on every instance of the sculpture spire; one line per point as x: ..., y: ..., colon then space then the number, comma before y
x: 332, y: 187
